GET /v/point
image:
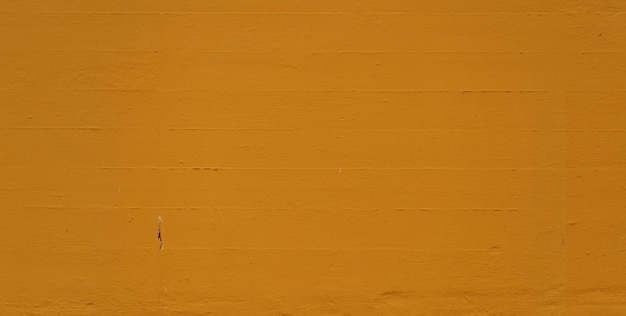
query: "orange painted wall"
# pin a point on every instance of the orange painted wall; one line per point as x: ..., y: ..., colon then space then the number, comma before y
x: 364, y: 157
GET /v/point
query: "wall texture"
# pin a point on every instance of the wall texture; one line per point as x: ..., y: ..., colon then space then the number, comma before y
x: 323, y: 157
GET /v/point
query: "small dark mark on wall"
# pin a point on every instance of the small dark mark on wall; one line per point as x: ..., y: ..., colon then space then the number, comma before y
x: 159, y: 235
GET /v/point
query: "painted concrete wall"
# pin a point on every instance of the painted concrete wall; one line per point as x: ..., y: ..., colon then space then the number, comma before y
x: 325, y: 157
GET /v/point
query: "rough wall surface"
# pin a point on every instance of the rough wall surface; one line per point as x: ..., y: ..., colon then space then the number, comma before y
x: 402, y: 157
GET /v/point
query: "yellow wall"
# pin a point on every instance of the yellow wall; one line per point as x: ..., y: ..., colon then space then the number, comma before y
x: 403, y: 157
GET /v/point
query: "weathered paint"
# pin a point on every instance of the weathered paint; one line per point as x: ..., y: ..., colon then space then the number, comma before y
x: 325, y: 157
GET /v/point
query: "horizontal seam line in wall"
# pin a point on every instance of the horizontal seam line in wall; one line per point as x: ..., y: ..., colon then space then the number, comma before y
x: 277, y: 209
x: 512, y: 169
x: 89, y: 248
x: 201, y: 129
x: 316, y: 90
x: 313, y: 13
x: 304, y: 52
